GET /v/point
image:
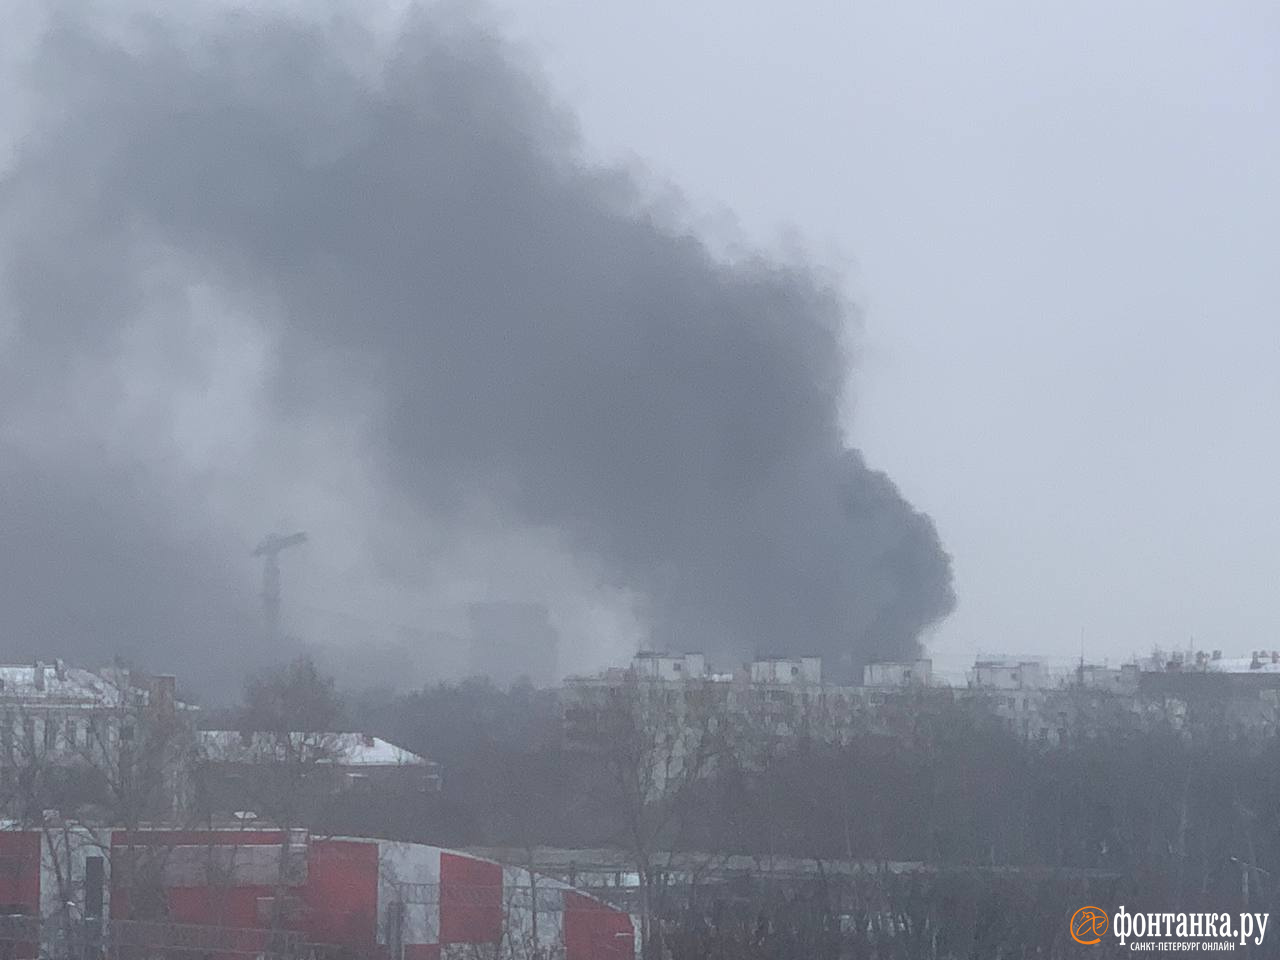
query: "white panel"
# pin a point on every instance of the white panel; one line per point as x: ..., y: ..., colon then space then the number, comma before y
x: 62, y: 854
x: 410, y: 863
x: 533, y: 915
x: 249, y: 864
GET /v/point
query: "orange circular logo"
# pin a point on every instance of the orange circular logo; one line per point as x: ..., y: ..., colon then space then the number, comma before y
x: 1088, y: 925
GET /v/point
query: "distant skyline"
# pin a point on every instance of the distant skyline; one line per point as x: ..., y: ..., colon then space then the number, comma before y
x: 1062, y: 224
x: 263, y: 292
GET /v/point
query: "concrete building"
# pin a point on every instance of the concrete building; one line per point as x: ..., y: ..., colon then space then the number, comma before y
x: 113, y: 720
x: 755, y: 713
x: 776, y: 701
x: 64, y: 710
x: 1009, y: 673
x: 651, y: 665
x: 902, y: 673
x: 787, y: 670
x: 1122, y: 679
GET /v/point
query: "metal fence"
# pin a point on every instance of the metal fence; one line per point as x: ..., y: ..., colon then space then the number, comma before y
x: 24, y: 937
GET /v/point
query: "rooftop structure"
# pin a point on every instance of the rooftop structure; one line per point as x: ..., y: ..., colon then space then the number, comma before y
x: 56, y: 684
x: 787, y: 670
x: 1009, y: 673
x: 652, y: 665
x: 1261, y: 661
x: 901, y: 673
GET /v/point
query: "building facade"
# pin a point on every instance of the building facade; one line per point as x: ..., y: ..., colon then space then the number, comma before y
x: 771, y: 703
x: 69, y: 735
x: 237, y: 770
x: 902, y: 673
x: 243, y: 891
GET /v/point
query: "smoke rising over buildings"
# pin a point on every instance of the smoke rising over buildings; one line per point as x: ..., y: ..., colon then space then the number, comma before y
x: 513, y: 641
x: 253, y: 256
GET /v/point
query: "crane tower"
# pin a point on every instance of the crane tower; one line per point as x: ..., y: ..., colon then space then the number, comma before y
x: 269, y: 549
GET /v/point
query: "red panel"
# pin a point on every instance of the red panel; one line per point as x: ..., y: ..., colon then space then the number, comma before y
x: 20, y: 878
x: 595, y: 930
x: 470, y: 900
x: 422, y: 951
x: 227, y: 907
x: 234, y: 907
x: 20, y: 869
x: 342, y: 892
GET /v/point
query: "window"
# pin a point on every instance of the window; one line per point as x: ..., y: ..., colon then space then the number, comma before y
x: 126, y: 733
x: 359, y: 782
x: 29, y: 733
x: 50, y: 733
x: 94, y: 886
x: 795, y: 671
x: 71, y: 733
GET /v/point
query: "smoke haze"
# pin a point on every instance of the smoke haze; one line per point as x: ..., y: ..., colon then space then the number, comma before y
x: 259, y: 270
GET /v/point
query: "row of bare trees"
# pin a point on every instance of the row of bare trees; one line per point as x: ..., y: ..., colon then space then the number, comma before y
x: 681, y: 785
x: 679, y: 781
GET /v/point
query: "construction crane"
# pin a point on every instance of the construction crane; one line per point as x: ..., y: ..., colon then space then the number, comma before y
x: 269, y: 549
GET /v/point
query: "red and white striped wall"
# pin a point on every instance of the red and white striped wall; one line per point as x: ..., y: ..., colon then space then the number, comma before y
x: 375, y: 897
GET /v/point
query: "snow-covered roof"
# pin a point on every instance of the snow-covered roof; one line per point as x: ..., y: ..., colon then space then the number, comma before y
x: 1243, y: 665
x: 65, y: 685
x: 348, y: 749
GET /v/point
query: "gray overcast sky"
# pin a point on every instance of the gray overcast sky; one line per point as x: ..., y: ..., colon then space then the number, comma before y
x: 1061, y: 220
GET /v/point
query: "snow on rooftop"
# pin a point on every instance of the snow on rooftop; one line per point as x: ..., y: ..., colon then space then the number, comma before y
x: 1243, y: 665
x: 349, y: 749
x: 74, y: 684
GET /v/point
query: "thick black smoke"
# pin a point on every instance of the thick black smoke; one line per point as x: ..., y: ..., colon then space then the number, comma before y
x: 416, y: 233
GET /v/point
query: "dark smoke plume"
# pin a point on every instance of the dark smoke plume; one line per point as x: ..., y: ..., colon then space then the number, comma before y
x: 412, y: 231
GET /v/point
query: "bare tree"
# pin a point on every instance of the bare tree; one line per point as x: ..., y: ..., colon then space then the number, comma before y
x: 658, y: 741
x: 112, y: 758
x: 286, y: 750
